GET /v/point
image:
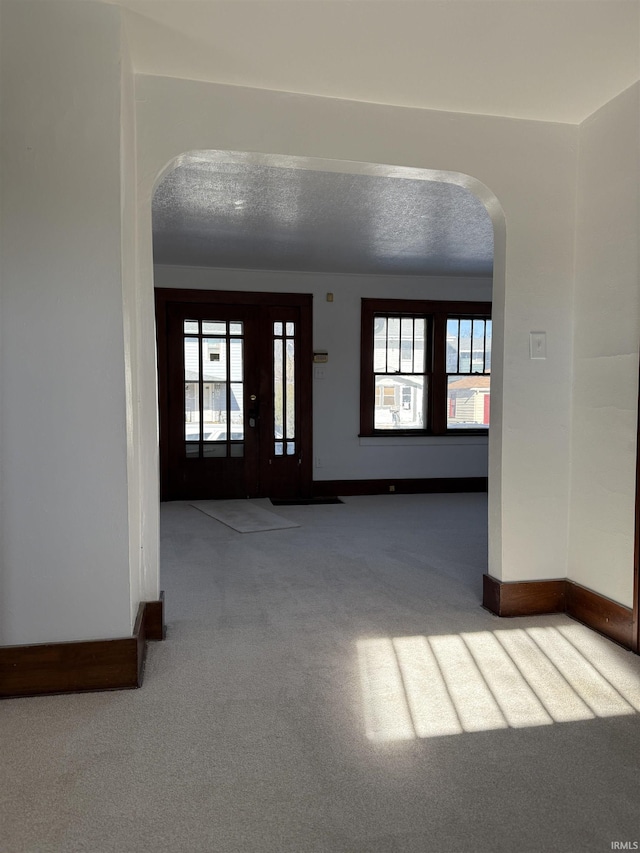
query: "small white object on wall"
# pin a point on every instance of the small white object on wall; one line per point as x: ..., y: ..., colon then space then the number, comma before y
x: 537, y: 345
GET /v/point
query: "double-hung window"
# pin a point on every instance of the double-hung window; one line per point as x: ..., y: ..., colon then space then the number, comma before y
x: 425, y: 367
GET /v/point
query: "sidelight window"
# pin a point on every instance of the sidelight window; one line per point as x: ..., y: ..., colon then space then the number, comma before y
x: 284, y: 370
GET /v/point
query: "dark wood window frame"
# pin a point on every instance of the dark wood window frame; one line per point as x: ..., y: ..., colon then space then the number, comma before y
x: 437, y: 313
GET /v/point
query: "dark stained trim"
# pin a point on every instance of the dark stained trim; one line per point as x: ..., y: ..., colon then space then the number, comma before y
x: 412, y: 486
x: 600, y: 613
x: 491, y: 594
x: 164, y: 295
x: 168, y: 300
x: 529, y: 598
x: 524, y: 598
x: 154, y: 618
x: 77, y: 667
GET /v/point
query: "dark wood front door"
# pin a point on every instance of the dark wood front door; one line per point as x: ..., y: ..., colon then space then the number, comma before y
x: 235, y: 394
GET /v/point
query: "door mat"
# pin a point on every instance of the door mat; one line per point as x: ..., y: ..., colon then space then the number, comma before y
x: 243, y: 516
x: 304, y: 501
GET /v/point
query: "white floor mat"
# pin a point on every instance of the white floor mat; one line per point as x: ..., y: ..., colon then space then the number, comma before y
x: 243, y: 516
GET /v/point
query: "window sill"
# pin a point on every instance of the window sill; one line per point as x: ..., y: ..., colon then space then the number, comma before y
x: 420, y: 440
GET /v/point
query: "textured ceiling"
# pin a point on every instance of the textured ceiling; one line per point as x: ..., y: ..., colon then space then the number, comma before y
x: 257, y: 216
x: 549, y: 60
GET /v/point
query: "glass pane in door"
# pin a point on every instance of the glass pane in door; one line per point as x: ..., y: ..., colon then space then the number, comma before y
x: 290, y: 368
x: 214, y: 388
x: 278, y: 393
x: 284, y: 405
x: 237, y: 411
x: 191, y: 391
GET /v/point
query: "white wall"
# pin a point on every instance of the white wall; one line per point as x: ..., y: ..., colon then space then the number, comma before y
x: 143, y: 550
x: 336, y: 398
x: 606, y: 334
x: 63, y: 484
x: 528, y: 166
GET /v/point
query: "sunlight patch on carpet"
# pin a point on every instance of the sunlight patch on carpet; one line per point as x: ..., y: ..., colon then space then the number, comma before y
x: 419, y: 687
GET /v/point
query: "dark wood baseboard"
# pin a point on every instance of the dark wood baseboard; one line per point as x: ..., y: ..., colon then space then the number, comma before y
x: 602, y: 614
x: 77, y: 667
x: 154, y: 618
x: 409, y: 486
x: 529, y: 598
x: 523, y: 598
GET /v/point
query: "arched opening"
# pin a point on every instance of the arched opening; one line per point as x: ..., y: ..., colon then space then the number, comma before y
x: 223, y: 163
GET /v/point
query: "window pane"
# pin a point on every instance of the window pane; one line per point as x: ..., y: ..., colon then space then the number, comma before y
x: 235, y: 328
x: 379, y: 344
x: 477, y: 358
x: 278, y: 389
x: 290, y: 330
x: 277, y: 328
x: 290, y: 389
x: 214, y: 327
x: 452, y: 345
x: 291, y: 448
x: 465, y: 346
x: 237, y: 450
x: 191, y: 327
x: 468, y: 401
x: 237, y: 411
x: 399, y: 402
x: 419, y: 346
x: 406, y: 344
x: 214, y: 396
x: 192, y: 394
x: 191, y: 364
x: 210, y: 451
x: 214, y: 358
x: 393, y: 344
x: 468, y: 346
x: 191, y: 412
x: 235, y: 357
x: 278, y: 448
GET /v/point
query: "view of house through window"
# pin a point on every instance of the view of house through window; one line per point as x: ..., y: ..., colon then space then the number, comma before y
x: 468, y: 372
x: 426, y: 366
x: 401, y: 381
x: 213, y: 388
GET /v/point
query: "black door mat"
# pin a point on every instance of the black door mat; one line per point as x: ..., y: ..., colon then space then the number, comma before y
x: 304, y: 501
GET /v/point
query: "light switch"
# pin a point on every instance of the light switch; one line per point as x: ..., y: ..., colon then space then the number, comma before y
x: 537, y: 345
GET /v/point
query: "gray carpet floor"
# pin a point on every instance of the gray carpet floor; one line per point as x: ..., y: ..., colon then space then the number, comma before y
x: 336, y: 688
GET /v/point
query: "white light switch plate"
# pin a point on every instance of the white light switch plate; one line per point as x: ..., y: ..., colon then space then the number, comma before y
x: 537, y: 345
